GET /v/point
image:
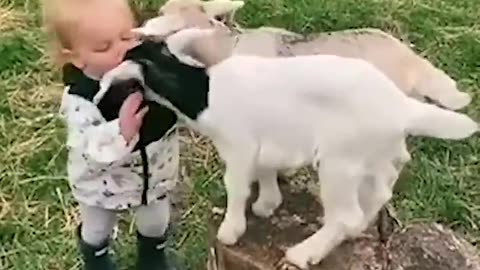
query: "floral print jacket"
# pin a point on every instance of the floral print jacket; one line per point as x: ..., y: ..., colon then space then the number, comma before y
x: 102, y: 170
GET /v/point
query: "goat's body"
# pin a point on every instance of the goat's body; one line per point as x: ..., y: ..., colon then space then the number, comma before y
x: 413, y: 74
x: 340, y: 114
x: 314, y: 90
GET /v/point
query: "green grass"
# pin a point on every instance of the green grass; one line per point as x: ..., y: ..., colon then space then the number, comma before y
x: 38, y: 215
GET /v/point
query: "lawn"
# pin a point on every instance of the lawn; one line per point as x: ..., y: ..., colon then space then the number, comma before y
x: 38, y: 215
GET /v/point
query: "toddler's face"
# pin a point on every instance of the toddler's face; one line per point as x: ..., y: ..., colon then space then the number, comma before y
x: 102, y: 39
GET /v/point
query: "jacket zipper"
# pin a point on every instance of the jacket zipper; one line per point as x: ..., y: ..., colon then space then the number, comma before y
x: 146, y: 173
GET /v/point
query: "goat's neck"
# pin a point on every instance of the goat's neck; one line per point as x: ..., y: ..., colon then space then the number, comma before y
x: 184, y: 90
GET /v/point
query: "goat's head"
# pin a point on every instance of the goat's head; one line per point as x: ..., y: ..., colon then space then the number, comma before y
x: 220, y: 10
x: 161, y: 27
x: 177, y: 34
x: 176, y: 15
x: 179, y: 24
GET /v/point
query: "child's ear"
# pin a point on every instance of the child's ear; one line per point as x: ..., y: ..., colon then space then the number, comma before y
x: 70, y: 56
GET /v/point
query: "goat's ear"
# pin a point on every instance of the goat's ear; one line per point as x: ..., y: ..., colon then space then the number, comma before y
x: 140, y: 31
x: 221, y: 7
x: 160, y: 26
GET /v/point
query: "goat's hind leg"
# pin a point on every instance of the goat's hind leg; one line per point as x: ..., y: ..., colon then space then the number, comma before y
x: 269, y: 195
x: 340, y: 181
x: 376, y: 191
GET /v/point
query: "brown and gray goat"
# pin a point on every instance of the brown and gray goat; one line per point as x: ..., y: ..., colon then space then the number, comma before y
x: 413, y: 74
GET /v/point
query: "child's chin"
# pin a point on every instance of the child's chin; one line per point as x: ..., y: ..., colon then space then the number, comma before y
x: 93, y: 74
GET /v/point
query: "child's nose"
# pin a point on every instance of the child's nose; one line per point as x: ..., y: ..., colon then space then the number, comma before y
x: 132, y: 43
x: 121, y: 51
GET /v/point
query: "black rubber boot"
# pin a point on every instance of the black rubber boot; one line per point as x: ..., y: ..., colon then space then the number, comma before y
x: 151, y: 252
x: 95, y: 258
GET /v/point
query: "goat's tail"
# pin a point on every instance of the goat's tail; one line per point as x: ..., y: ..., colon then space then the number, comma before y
x: 432, y: 121
x: 436, y: 85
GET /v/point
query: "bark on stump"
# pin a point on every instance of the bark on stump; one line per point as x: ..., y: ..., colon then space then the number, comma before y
x: 415, y: 247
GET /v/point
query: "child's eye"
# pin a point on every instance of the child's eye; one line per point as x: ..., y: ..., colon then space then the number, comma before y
x: 105, y: 47
x: 128, y: 37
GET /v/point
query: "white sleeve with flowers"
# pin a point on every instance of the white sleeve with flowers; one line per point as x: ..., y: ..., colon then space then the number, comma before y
x: 90, y: 133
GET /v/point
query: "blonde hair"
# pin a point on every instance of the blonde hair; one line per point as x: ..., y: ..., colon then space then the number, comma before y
x: 61, y: 18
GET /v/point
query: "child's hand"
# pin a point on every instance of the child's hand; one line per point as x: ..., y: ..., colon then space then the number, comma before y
x: 130, y: 119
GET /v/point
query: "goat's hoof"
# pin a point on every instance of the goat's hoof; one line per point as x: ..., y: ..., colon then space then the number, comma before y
x: 360, y: 236
x: 457, y: 101
x: 261, y: 210
x: 299, y: 256
x: 265, y: 208
x: 115, y: 231
x: 288, y: 172
x: 283, y: 264
x: 229, y: 232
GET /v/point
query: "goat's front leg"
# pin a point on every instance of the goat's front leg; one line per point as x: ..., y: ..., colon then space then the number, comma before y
x: 269, y: 195
x: 401, y: 156
x: 340, y: 181
x: 238, y: 177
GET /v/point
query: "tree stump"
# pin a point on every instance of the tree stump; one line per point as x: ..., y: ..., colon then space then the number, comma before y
x: 415, y: 247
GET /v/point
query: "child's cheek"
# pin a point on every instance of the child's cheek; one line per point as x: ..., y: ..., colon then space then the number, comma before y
x: 114, y: 61
x: 107, y: 65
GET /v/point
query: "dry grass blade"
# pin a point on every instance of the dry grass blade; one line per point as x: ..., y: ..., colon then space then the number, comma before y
x: 11, y: 19
x: 38, y: 215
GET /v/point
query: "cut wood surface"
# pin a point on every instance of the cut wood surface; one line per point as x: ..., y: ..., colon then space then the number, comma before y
x: 413, y: 247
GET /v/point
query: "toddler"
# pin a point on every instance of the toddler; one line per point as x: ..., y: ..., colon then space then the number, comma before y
x: 122, y: 153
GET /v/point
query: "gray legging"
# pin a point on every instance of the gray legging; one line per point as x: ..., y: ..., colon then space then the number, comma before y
x: 97, y: 223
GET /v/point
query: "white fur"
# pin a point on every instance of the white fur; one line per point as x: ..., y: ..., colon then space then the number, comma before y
x: 161, y: 26
x: 124, y: 71
x: 211, y: 8
x: 340, y: 115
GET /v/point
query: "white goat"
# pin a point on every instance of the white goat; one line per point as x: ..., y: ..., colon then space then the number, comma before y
x: 341, y: 115
x: 413, y: 74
